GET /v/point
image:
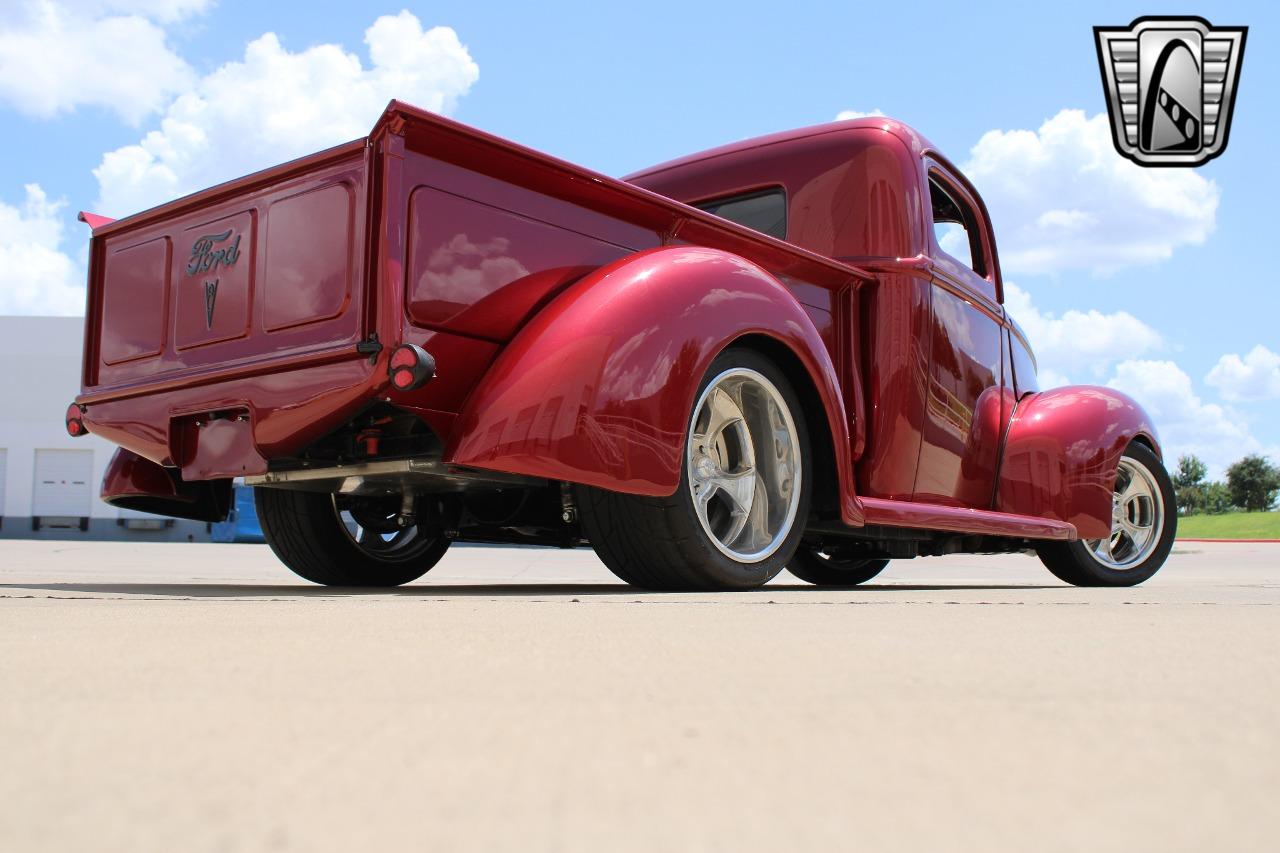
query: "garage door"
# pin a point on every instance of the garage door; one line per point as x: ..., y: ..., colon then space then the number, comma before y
x: 63, y: 483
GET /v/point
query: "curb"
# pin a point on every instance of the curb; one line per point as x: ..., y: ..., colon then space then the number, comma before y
x: 1272, y: 541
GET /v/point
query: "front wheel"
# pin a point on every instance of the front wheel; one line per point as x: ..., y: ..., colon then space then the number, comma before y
x: 340, y: 540
x: 829, y: 567
x: 739, y: 511
x: 1144, y: 522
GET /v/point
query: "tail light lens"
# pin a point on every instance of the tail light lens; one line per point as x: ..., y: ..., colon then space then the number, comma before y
x: 411, y: 367
x: 75, y: 420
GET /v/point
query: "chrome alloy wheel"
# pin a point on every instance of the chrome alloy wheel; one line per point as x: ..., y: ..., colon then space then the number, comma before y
x: 1137, y: 518
x: 743, y: 461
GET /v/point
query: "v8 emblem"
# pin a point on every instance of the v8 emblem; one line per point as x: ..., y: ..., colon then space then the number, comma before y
x: 210, y: 297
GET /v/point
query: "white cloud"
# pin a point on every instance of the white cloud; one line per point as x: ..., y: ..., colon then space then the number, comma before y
x: 275, y: 105
x: 166, y: 11
x: 1254, y: 377
x: 1186, y: 423
x: 56, y: 56
x: 36, y: 276
x: 1061, y: 198
x: 845, y: 115
x: 1079, y: 344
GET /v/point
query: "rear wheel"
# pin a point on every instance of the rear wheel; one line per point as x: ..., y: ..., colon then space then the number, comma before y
x: 340, y: 540
x: 738, y: 513
x: 828, y: 567
x: 1144, y: 521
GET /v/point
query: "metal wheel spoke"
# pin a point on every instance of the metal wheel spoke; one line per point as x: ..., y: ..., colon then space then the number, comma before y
x: 1131, y: 490
x: 1136, y: 528
x: 724, y: 412
x: 740, y: 487
x: 758, y: 517
x: 779, y: 461
x: 703, y: 494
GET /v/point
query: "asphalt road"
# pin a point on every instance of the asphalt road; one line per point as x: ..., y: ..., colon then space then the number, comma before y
x: 193, y: 697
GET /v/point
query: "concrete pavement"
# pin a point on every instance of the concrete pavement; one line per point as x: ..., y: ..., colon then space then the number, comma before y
x: 195, y: 697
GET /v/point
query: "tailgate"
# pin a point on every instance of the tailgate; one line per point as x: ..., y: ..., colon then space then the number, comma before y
x: 232, y: 281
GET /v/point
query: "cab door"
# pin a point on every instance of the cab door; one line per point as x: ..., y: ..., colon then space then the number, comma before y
x: 969, y: 400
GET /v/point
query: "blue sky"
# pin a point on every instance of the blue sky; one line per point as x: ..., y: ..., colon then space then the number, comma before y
x: 1170, y: 264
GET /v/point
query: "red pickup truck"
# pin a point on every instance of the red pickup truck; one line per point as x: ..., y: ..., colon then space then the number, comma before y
x: 786, y: 352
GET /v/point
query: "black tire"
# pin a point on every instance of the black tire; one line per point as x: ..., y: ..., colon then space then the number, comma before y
x: 821, y: 568
x: 1075, y: 562
x: 306, y: 532
x: 660, y: 544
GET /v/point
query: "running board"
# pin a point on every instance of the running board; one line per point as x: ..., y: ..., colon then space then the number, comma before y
x: 955, y: 519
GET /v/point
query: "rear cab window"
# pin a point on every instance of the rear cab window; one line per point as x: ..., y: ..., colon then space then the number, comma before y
x: 762, y: 210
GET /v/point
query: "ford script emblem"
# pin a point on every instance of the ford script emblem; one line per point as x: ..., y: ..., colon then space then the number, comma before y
x: 207, y: 254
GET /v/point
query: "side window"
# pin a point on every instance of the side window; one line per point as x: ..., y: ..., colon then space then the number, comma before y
x: 1024, y: 367
x: 765, y: 211
x: 955, y: 228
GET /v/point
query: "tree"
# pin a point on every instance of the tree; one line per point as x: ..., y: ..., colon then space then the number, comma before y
x: 1254, y: 483
x: 1191, y: 471
x: 1215, y: 498
x: 1188, y: 484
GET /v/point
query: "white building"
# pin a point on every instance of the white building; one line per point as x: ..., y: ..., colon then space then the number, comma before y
x: 49, y: 481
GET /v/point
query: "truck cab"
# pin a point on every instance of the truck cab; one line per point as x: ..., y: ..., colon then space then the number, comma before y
x: 942, y: 363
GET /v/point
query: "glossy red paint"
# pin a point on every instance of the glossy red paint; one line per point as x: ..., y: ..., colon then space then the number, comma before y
x: 571, y: 315
x: 894, y: 360
x: 853, y: 188
x: 597, y: 389
x: 94, y: 220
x: 133, y: 482
x: 130, y: 475
x: 967, y: 408
x: 287, y: 410
x: 174, y: 300
x: 481, y: 270
x: 1062, y: 451
x: 926, y: 516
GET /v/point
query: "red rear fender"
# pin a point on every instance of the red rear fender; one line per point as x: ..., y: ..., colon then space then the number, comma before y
x: 134, y: 482
x: 598, y: 387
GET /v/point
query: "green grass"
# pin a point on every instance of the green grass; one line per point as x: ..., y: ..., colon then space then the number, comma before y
x: 1233, y: 525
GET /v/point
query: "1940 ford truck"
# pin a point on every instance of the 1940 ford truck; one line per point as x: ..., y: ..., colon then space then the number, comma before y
x: 752, y: 358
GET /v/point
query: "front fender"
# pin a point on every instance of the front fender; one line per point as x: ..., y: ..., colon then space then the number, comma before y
x: 598, y: 387
x: 1062, y: 452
